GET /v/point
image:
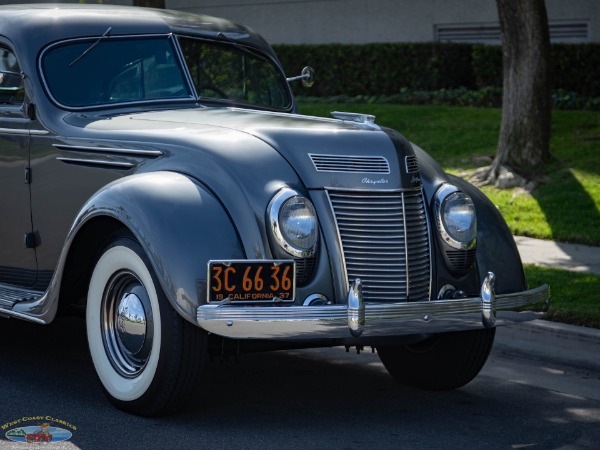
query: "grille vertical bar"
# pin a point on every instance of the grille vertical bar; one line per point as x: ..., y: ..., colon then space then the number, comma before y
x: 385, y: 240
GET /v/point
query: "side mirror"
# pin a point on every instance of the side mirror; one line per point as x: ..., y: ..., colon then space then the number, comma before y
x: 307, y: 76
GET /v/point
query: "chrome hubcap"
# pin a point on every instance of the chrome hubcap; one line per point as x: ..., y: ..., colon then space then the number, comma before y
x: 127, y: 324
x: 131, y: 323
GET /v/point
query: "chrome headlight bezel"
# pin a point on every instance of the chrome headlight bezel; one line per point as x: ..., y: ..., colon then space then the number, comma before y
x: 278, y: 203
x: 443, y: 198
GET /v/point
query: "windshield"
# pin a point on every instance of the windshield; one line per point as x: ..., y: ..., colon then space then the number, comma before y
x: 116, y: 70
x: 228, y: 72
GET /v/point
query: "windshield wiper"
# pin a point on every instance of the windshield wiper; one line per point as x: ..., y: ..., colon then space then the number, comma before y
x: 89, y: 49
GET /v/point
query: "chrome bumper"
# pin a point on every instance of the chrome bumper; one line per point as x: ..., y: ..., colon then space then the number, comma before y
x: 359, y: 319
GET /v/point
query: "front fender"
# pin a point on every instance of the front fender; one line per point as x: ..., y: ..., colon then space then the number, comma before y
x: 180, y: 225
x: 496, y: 248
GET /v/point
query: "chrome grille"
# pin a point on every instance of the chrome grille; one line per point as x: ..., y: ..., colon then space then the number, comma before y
x: 385, y: 240
x: 350, y: 164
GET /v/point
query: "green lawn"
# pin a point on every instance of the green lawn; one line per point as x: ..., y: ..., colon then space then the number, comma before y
x: 575, y: 296
x: 565, y: 208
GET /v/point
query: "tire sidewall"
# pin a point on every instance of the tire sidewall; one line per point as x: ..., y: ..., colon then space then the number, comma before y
x: 121, y: 255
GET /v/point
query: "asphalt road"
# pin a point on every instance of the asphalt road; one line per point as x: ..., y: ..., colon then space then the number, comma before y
x: 300, y: 399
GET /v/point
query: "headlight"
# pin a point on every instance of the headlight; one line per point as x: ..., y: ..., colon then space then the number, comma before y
x: 456, y: 219
x: 293, y: 222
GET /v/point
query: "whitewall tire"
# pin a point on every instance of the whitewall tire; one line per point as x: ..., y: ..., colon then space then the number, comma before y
x: 147, y: 358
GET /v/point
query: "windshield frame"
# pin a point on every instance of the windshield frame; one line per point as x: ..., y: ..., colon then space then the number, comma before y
x: 192, y: 99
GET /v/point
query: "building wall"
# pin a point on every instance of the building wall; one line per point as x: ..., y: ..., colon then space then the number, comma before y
x: 362, y: 21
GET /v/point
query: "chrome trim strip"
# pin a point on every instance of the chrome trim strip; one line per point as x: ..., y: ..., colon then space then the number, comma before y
x: 406, y: 261
x: 20, y: 132
x: 429, y: 241
x: 18, y: 315
x: 183, y: 63
x: 109, y: 150
x: 381, y: 319
x: 370, y: 189
x: 14, y: 131
x: 96, y: 162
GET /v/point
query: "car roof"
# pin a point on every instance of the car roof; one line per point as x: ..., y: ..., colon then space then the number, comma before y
x: 40, y: 24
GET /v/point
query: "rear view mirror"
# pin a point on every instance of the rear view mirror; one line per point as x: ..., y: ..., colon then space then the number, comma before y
x: 307, y: 76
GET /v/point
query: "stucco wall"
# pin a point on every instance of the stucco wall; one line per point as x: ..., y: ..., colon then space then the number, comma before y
x: 361, y: 21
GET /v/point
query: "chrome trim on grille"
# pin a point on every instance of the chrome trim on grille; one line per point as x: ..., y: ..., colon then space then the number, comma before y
x: 349, y: 163
x: 386, y: 242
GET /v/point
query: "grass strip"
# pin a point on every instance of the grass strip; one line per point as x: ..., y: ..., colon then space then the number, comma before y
x: 575, y: 296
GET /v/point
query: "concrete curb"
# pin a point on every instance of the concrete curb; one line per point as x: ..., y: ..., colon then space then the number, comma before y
x: 569, y: 345
x: 550, y: 341
x: 574, y: 257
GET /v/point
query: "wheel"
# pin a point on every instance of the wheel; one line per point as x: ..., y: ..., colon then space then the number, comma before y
x: 443, y: 362
x: 147, y: 357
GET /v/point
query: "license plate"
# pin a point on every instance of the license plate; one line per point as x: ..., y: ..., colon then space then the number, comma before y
x: 251, y: 281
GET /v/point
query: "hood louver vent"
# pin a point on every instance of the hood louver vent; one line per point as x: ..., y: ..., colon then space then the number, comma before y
x: 350, y: 164
x: 412, y: 164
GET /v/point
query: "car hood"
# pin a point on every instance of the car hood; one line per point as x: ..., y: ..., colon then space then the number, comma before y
x: 323, y: 152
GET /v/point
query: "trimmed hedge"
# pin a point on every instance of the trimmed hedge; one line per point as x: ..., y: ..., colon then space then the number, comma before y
x: 386, y: 69
x: 485, y: 97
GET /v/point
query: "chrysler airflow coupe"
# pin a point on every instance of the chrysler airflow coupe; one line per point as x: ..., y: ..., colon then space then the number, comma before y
x: 157, y: 178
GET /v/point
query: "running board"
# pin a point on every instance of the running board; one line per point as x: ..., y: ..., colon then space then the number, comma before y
x: 10, y: 296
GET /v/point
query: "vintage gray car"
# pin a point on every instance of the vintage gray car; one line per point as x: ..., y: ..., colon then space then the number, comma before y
x: 157, y: 178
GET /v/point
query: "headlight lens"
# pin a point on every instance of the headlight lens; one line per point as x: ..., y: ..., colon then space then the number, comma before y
x: 294, y: 223
x: 457, y: 220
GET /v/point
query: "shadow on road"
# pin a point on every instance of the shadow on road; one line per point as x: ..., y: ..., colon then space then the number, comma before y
x: 301, y: 399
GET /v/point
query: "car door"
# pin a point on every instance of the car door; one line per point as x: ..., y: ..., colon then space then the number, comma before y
x: 17, y: 241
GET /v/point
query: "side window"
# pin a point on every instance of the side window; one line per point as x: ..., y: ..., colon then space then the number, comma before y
x: 11, y: 82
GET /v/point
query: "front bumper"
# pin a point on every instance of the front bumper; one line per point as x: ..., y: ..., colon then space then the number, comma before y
x: 360, y: 319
